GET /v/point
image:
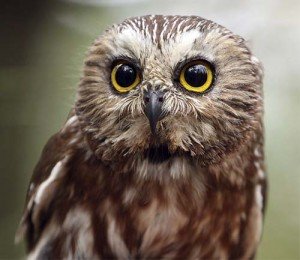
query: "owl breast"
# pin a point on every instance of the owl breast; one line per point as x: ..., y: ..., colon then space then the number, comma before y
x: 93, y: 213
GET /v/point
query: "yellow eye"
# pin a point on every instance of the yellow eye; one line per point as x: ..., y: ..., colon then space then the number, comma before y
x: 124, y: 77
x: 196, y: 76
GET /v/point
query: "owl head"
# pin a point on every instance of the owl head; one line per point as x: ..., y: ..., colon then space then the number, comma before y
x: 160, y: 87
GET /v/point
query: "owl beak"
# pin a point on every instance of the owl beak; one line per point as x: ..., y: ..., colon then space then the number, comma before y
x: 153, y: 107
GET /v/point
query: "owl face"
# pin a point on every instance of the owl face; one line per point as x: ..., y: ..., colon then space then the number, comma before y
x: 159, y: 87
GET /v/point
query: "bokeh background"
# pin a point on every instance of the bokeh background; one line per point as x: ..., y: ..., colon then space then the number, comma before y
x: 42, y: 47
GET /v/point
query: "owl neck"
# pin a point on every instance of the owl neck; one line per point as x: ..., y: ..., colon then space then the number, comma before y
x: 232, y: 170
x: 159, y: 166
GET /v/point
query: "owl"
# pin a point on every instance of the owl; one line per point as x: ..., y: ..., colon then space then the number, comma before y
x: 161, y: 155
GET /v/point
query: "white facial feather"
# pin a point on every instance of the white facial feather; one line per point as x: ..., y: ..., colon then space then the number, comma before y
x: 181, y: 45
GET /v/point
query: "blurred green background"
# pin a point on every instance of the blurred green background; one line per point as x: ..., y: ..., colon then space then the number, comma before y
x: 42, y: 47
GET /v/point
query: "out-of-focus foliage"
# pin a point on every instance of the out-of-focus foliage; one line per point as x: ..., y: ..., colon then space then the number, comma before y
x: 42, y: 54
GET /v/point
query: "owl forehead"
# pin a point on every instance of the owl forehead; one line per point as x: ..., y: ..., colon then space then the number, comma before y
x: 161, y: 45
x: 159, y: 40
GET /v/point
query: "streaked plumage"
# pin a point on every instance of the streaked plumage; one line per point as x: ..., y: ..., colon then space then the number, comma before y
x: 107, y: 186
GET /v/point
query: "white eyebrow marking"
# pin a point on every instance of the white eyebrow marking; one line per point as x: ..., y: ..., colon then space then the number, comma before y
x: 183, y: 43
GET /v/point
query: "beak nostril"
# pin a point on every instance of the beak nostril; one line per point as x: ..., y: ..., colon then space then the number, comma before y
x: 160, y: 99
x: 147, y: 99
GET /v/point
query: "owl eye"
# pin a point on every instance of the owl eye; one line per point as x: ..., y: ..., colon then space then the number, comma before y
x: 124, y: 77
x: 196, y: 76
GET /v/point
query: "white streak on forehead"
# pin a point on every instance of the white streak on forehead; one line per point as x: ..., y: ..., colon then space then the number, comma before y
x: 187, y: 28
x: 179, y: 25
x: 154, y: 31
x: 171, y: 30
x: 143, y: 22
x: 199, y: 24
x: 165, y: 26
x: 133, y: 25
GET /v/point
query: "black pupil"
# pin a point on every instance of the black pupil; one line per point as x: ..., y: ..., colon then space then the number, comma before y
x: 196, y: 75
x: 125, y: 75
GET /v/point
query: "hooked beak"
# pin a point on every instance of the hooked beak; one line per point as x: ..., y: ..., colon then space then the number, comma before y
x: 153, y: 107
